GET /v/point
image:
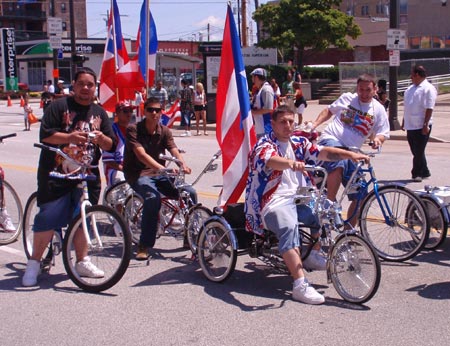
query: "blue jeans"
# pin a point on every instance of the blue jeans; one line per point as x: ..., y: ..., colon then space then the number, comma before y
x: 185, y: 118
x: 150, y: 189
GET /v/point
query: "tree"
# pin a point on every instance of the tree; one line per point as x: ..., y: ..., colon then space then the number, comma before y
x: 304, y: 24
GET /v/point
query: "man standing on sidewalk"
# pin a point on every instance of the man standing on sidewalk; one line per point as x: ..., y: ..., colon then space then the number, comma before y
x: 420, y: 98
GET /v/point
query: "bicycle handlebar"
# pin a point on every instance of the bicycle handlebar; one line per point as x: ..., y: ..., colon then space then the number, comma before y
x: 171, y: 158
x: 359, y: 150
x: 7, y: 136
x: 64, y: 155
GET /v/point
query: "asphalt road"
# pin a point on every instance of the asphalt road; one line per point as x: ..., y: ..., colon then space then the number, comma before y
x: 170, y: 302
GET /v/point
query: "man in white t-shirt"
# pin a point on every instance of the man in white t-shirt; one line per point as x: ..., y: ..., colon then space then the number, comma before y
x: 262, y: 105
x: 356, y: 117
x: 276, y: 166
x: 419, y: 102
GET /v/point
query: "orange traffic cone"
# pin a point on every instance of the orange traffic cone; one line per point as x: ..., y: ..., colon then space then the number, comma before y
x: 22, y: 101
x: 41, y: 105
x: 9, y: 104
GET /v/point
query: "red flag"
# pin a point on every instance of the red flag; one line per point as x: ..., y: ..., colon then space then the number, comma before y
x: 115, y: 57
x: 235, y: 132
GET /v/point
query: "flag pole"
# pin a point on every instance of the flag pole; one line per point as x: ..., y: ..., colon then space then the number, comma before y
x: 147, y: 44
x: 114, y: 37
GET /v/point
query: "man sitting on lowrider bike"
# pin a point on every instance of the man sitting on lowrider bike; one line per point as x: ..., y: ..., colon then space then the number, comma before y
x: 276, y: 170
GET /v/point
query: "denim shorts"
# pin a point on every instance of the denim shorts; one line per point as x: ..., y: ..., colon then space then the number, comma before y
x: 348, y: 166
x: 58, y: 213
x: 284, y: 223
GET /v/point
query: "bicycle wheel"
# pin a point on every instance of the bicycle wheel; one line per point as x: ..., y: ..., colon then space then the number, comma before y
x: 116, y: 195
x: 194, y: 222
x: 133, y: 215
x: 354, y: 269
x: 13, y: 209
x: 110, y: 252
x: 216, y: 254
x: 394, y: 222
x: 52, y: 249
x: 438, y: 223
x: 171, y: 219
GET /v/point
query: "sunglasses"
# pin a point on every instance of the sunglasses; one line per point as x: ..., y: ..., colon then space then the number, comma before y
x: 153, y: 109
x: 128, y: 111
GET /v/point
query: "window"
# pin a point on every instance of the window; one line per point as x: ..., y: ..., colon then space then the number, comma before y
x: 64, y: 26
x: 63, y: 8
x: 364, y: 10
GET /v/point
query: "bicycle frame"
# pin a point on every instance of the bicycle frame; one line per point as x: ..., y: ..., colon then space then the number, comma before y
x: 359, y: 186
x: 84, y: 200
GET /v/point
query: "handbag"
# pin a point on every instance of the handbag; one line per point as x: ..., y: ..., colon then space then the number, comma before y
x: 32, y: 118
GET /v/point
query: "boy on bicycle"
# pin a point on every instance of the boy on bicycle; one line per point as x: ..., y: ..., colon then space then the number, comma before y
x: 145, y: 141
x: 276, y: 166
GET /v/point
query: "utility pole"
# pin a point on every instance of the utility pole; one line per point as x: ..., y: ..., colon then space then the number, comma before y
x: 257, y: 23
x: 244, y: 24
x: 73, y: 66
x: 54, y: 51
x: 394, y: 9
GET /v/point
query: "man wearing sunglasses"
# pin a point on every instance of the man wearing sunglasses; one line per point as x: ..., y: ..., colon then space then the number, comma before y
x: 113, y: 162
x: 145, y: 141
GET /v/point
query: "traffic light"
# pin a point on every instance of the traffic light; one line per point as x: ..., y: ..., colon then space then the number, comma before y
x: 79, y: 58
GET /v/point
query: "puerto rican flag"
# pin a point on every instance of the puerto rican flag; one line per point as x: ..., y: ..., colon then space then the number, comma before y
x: 172, y: 115
x: 148, y: 44
x: 114, y: 57
x: 235, y: 132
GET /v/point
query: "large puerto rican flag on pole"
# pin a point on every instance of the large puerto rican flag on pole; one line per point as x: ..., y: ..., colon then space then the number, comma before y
x: 148, y: 44
x: 235, y: 132
x: 114, y: 57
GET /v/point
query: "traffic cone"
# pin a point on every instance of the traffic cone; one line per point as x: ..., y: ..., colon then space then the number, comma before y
x: 9, y: 104
x: 22, y: 101
x: 41, y: 104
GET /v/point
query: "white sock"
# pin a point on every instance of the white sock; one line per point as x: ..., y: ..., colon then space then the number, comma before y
x: 299, y: 281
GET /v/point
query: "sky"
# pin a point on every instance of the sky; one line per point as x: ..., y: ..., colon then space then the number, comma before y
x: 185, y: 20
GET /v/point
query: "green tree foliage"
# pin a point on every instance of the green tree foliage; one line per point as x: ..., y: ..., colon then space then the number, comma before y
x: 304, y: 24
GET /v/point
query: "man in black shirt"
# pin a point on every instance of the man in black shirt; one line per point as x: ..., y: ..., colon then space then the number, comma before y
x: 67, y: 123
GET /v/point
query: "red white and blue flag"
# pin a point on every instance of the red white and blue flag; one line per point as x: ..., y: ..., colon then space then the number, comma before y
x: 172, y: 115
x: 114, y: 57
x: 235, y: 132
x: 148, y: 44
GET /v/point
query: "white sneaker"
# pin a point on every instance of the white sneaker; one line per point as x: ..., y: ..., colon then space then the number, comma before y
x: 186, y: 134
x: 87, y: 269
x: 31, y: 273
x: 315, y: 261
x: 305, y: 293
x: 6, y: 222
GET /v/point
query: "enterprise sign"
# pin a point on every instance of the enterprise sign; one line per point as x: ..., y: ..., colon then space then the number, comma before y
x: 8, y: 48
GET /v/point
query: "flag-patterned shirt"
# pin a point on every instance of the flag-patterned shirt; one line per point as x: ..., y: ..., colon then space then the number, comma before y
x: 354, y: 121
x: 262, y: 181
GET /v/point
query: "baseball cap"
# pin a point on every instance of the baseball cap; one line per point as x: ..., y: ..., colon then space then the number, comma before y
x: 259, y: 72
x: 123, y: 105
x: 61, y: 81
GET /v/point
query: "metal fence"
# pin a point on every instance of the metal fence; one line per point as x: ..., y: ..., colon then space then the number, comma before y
x: 438, y: 71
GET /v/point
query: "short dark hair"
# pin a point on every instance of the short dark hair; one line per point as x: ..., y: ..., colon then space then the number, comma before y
x: 280, y: 110
x: 85, y: 70
x: 151, y: 100
x: 420, y: 70
x: 367, y: 77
